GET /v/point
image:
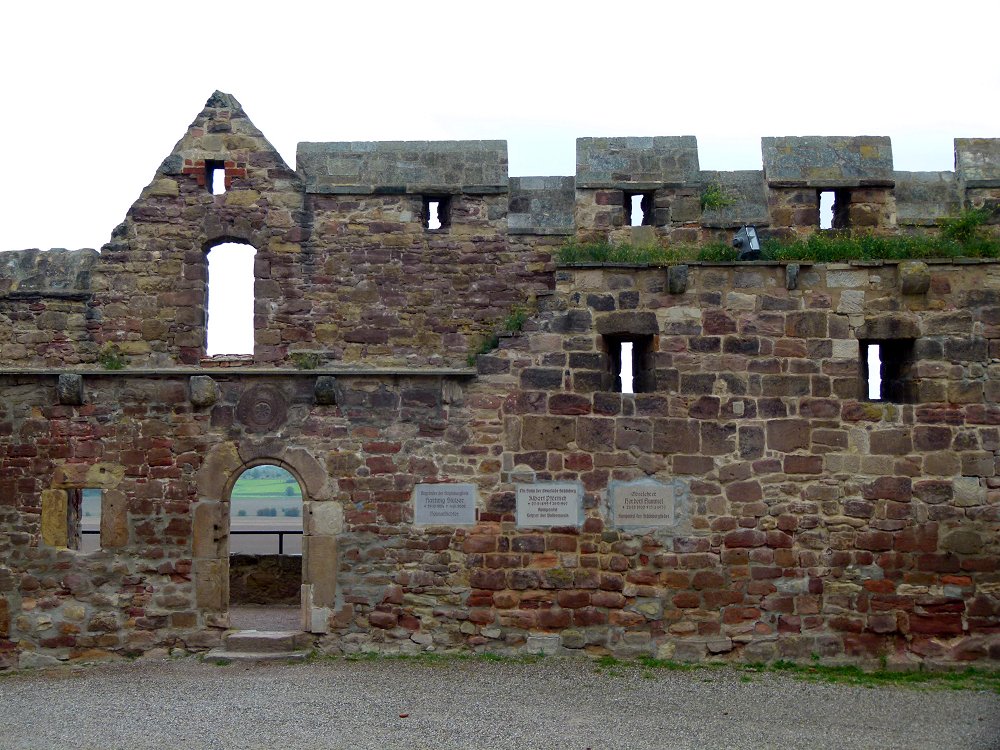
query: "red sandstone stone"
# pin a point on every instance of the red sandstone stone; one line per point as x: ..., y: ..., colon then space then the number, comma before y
x: 745, y: 538
x: 385, y: 620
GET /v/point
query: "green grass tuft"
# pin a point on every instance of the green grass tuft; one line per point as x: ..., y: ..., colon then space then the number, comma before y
x: 960, y: 238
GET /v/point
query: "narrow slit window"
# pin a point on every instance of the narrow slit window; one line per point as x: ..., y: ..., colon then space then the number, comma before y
x: 826, y: 209
x: 630, y: 361
x: 436, y: 213
x: 625, y: 367
x: 230, y: 307
x: 887, y: 371
x: 639, y: 209
x: 874, y: 372
x: 215, y: 177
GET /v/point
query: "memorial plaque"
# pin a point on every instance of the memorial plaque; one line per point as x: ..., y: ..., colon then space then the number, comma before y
x: 642, y: 503
x: 444, y: 504
x: 549, y: 504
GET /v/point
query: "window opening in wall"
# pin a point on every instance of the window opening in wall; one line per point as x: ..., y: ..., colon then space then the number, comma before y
x: 266, y: 512
x: 826, y: 209
x: 90, y: 519
x: 639, y: 208
x: 874, y: 372
x: 215, y: 177
x: 625, y: 367
x: 631, y: 363
x: 230, y: 299
x: 437, y: 212
x: 887, y: 370
x: 834, y: 209
x: 83, y: 519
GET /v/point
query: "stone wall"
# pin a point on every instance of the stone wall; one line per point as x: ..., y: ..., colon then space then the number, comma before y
x: 807, y: 519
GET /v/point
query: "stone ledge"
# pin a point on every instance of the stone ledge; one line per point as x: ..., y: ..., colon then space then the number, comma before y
x: 224, y: 372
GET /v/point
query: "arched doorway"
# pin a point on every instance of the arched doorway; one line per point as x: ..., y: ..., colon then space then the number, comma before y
x: 322, y: 522
x: 265, y: 549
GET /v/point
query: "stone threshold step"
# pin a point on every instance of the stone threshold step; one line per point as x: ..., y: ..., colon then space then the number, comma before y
x: 221, y: 654
x: 266, y: 641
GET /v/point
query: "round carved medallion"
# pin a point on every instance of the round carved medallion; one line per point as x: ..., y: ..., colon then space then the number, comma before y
x: 262, y: 408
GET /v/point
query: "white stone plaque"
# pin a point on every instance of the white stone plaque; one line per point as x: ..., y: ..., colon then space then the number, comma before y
x: 642, y: 503
x: 549, y: 504
x: 444, y: 504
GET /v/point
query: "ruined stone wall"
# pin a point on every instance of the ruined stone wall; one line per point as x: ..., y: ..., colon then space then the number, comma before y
x: 809, y: 518
x: 809, y: 521
x: 45, y: 318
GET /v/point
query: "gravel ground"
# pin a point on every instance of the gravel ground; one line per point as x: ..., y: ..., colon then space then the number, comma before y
x: 554, y: 703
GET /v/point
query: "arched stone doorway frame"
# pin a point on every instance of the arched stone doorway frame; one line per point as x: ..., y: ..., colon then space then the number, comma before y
x: 322, y: 523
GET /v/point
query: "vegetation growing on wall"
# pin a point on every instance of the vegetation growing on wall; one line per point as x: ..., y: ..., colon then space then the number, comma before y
x: 961, y: 237
x: 714, y: 197
x: 513, y: 323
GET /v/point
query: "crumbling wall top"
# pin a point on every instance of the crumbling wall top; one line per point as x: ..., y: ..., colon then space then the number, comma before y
x: 828, y: 161
x: 747, y: 199
x: 363, y: 167
x: 52, y: 270
x: 638, y: 163
x: 977, y: 161
x: 923, y: 198
x: 541, y: 205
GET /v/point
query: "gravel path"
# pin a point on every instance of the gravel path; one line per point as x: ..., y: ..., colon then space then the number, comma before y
x: 472, y: 704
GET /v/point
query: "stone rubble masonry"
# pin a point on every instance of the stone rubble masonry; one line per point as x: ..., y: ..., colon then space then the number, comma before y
x: 809, y: 521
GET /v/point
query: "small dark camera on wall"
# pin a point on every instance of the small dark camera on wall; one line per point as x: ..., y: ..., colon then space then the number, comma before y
x: 747, y: 243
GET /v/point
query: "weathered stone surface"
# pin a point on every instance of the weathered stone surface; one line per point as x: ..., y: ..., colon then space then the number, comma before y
x: 319, y: 563
x: 325, y: 390
x: 547, y: 433
x: 828, y: 161
x: 677, y: 279
x: 69, y: 388
x: 808, y: 518
x: 914, y: 277
x: 204, y: 391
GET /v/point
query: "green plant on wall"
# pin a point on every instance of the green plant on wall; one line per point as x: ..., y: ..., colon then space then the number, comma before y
x: 967, y: 226
x: 516, y: 320
x: 513, y: 323
x: 305, y: 360
x: 111, y: 357
x: 714, y: 197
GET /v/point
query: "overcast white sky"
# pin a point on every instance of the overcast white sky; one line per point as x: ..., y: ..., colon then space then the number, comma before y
x: 96, y: 94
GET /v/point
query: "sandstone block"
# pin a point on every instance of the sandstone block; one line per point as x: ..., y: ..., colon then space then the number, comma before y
x: 54, y: 517
x: 69, y: 388
x: 787, y: 435
x: 319, y: 563
x: 114, y: 519
x: 204, y: 391
x: 547, y: 433
x: 914, y: 277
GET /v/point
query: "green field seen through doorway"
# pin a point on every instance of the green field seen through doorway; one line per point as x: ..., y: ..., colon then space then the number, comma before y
x: 265, y: 498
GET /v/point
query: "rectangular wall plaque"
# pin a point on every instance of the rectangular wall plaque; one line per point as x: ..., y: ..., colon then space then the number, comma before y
x: 549, y: 504
x: 444, y: 504
x: 642, y: 503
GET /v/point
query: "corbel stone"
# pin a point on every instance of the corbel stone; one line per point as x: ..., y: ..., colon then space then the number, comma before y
x: 792, y: 276
x: 204, y: 391
x: 914, y: 277
x: 677, y: 279
x: 70, y: 388
x: 325, y: 390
